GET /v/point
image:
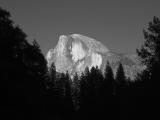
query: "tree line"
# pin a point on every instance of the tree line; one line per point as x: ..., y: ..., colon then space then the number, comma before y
x: 29, y: 91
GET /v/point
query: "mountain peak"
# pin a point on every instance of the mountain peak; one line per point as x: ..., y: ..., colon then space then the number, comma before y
x: 96, y: 54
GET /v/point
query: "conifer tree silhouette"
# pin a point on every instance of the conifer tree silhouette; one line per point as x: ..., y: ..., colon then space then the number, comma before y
x: 120, y: 80
x: 76, y: 91
x: 109, y: 81
x: 150, y: 57
x: 69, y: 108
x: 23, y: 69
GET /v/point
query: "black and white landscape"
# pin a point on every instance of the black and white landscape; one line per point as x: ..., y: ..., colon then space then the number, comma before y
x: 96, y: 54
x: 75, y: 75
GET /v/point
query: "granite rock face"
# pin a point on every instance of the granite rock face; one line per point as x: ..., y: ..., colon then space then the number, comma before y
x: 96, y: 54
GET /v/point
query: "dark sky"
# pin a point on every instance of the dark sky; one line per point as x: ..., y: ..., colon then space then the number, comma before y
x: 117, y: 24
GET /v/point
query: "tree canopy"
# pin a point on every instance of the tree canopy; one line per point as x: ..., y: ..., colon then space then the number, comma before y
x: 150, y: 55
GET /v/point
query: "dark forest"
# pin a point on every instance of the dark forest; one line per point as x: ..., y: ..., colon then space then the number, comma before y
x: 28, y: 90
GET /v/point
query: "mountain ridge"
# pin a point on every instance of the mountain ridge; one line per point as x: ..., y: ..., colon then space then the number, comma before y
x: 61, y: 57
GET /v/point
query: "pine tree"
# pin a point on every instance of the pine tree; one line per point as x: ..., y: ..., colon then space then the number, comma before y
x: 120, y: 80
x: 120, y: 74
x: 109, y: 80
x: 68, y: 97
x: 50, y: 81
x: 23, y: 68
x: 82, y: 94
x: 76, y: 91
x: 150, y: 51
x: 150, y: 56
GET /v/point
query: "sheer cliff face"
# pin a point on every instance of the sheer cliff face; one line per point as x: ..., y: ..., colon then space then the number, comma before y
x: 75, y: 52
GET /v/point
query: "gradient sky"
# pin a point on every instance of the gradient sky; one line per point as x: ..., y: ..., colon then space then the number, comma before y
x: 116, y: 23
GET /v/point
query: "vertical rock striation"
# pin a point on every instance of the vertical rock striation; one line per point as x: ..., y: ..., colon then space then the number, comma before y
x: 75, y: 52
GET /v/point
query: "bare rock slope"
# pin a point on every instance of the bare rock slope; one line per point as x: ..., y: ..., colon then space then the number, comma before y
x: 96, y: 54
